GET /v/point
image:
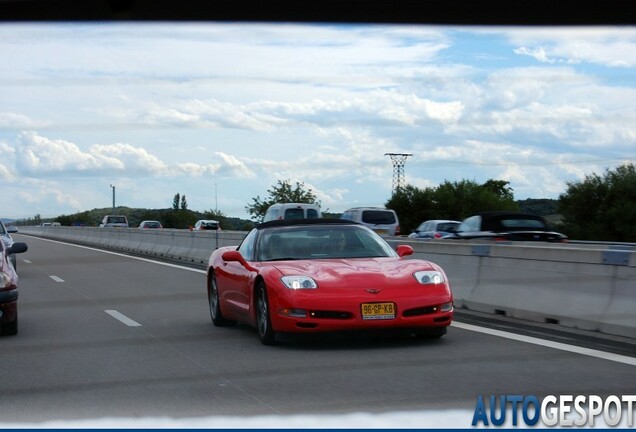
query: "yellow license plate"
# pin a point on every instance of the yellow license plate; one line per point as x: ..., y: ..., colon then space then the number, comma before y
x: 378, y: 311
x: 381, y: 231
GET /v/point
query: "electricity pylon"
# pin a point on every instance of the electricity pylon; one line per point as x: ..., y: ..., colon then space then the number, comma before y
x: 398, y: 159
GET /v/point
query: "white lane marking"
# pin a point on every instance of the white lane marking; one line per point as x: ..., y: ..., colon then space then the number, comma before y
x: 122, y: 318
x: 27, y: 261
x: 56, y: 278
x: 549, y: 344
x: 127, y: 256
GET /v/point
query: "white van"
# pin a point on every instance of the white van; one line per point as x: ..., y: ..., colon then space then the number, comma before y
x: 114, y: 221
x: 292, y: 211
x: 381, y: 220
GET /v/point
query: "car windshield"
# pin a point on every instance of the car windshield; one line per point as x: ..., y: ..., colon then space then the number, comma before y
x: 447, y: 226
x: 378, y: 217
x: 294, y: 213
x: 117, y: 219
x: 320, y: 242
x: 518, y: 223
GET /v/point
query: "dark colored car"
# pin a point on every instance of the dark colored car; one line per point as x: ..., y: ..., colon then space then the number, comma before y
x: 507, y: 226
x: 9, y: 289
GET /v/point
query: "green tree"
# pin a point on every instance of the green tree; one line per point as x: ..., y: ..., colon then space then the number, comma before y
x: 500, y: 188
x: 458, y: 200
x: 413, y: 206
x: 184, y: 202
x: 175, y: 201
x: 282, y: 192
x: 450, y: 200
x: 601, y: 208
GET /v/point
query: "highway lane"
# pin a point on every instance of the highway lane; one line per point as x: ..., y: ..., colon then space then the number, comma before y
x: 74, y: 360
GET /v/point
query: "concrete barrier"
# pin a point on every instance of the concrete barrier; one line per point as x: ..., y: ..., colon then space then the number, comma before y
x: 586, y: 286
x: 589, y: 287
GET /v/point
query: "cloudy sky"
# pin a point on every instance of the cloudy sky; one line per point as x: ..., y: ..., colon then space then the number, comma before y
x: 220, y: 112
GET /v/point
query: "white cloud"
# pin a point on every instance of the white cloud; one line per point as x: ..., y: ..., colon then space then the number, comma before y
x: 538, y: 53
x: 607, y: 46
x: 245, y: 105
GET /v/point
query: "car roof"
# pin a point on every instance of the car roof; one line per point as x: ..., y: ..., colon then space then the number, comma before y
x: 369, y: 208
x: 491, y: 220
x: 296, y: 222
x: 502, y: 214
x: 441, y: 221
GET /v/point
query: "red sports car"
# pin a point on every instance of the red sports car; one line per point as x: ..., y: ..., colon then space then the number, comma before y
x: 9, y: 289
x: 323, y: 275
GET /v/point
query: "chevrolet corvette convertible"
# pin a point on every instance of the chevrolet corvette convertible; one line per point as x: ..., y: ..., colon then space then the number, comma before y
x: 325, y: 275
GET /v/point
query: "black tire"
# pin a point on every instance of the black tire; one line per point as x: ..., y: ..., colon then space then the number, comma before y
x: 10, y: 328
x: 263, y: 321
x: 213, y: 302
x: 431, y: 332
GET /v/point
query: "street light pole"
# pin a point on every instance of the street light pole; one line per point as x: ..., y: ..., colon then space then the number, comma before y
x: 113, y: 187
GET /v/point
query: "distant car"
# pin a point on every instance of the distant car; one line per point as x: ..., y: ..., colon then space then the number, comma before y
x: 207, y: 225
x: 5, y: 235
x: 434, y: 229
x: 9, y: 288
x: 114, y: 221
x: 285, y: 211
x: 325, y: 275
x: 381, y: 220
x: 509, y: 226
x: 150, y: 224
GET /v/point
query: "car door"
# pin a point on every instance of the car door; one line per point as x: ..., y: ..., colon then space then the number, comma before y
x: 235, y: 282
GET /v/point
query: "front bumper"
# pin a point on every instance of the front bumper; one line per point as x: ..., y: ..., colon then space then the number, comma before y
x: 8, y: 296
x: 346, y: 314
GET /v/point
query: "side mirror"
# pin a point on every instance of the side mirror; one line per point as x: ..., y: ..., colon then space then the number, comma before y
x: 17, y: 248
x: 404, y: 250
x: 235, y: 256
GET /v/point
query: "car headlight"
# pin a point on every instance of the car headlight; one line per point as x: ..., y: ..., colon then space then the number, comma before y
x: 299, y: 282
x: 5, y: 280
x: 429, y: 277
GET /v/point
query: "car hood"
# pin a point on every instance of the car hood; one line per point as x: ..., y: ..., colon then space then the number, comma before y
x: 357, y: 271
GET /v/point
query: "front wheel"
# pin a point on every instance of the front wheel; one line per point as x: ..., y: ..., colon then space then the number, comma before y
x: 263, y: 320
x: 213, y: 301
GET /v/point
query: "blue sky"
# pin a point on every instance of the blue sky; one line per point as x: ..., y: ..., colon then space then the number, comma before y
x: 220, y: 112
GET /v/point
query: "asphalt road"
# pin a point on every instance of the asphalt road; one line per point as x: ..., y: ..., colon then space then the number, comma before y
x: 107, y: 335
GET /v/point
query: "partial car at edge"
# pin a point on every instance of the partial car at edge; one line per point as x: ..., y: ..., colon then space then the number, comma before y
x: 325, y: 275
x: 9, y: 289
x: 5, y: 235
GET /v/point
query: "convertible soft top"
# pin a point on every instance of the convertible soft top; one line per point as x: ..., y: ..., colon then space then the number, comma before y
x: 294, y: 222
